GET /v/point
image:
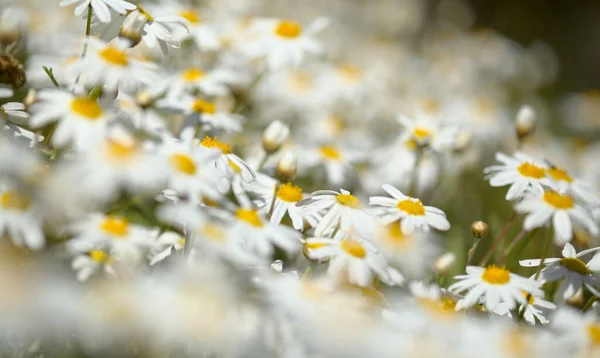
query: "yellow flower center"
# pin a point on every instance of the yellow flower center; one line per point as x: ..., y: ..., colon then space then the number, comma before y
x: 116, y: 226
x: 11, y: 200
x: 192, y: 74
x: 559, y: 175
x: 114, y: 56
x: 201, y: 106
x: 99, y: 256
x: 290, y: 193
x: 348, y: 200
x: 183, y: 163
x: 353, y: 248
x: 575, y: 265
x: 394, y: 236
x: 288, y: 29
x: 349, y: 73
x: 145, y: 13
x: 421, y: 133
x: 191, y: 16
x: 212, y: 232
x: 329, y: 152
x: 531, y: 298
x: 120, y: 151
x: 593, y: 330
x: 531, y: 170
x: 86, y: 108
x: 250, y: 216
x: 412, y: 207
x: 496, y: 275
x: 209, y: 142
x: 557, y: 200
x: 314, y: 245
x: 300, y: 82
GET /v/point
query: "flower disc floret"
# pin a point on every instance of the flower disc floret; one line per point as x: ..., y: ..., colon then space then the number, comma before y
x: 496, y: 275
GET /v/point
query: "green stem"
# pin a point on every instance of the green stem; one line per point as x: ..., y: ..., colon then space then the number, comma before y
x: 46, y: 141
x: 539, y: 269
x: 512, y: 245
x: 415, y: 174
x: 88, y: 30
x: 498, y: 240
x: 50, y: 74
x: 472, y: 251
x: 275, y: 191
x: 589, y: 303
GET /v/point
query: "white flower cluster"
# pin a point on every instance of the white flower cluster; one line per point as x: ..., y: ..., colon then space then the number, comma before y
x: 172, y: 184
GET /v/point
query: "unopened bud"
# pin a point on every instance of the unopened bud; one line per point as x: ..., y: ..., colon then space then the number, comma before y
x: 133, y: 27
x: 287, y: 167
x: 480, y: 229
x: 13, y: 25
x: 30, y: 98
x: 274, y: 136
x: 444, y: 263
x: 463, y: 140
x: 525, y: 121
x: 577, y: 299
x: 144, y: 99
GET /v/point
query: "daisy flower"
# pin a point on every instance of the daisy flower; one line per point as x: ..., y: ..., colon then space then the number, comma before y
x: 520, y: 171
x: 561, y: 181
x: 212, y: 116
x: 109, y: 65
x: 115, y: 233
x: 167, y: 243
x: 427, y: 131
x: 536, y: 309
x: 283, y: 43
x: 14, y: 112
x: 81, y: 120
x: 571, y: 269
x: 352, y: 260
x: 410, y: 212
x: 101, y: 7
x: 199, y: 28
x: 227, y: 159
x: 336, y: 160
x: 192, y: 174
x: 560, y: 208
x: 344, y: 210
x: 581, y: 330
x: 140, y: 113
x: 285, y: 200
x: 19, y: 218
x: 492, y: 286
x: 215, y: 82
x: 91, y: 262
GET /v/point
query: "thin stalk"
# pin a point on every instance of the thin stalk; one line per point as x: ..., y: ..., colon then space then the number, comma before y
x: 412, y: 191
x: 472, y: 251
x: 275, y: 191
x: 539, y: 269
x: 490, y: 253
x: 589, y: 303
x: 512, y: 245
x: 88, y: 30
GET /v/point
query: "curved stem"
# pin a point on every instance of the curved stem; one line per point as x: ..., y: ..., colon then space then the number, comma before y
x: 88, y: 30
x: 490, y: 253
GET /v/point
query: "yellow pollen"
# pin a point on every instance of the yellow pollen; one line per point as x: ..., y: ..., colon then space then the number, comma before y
x: 531, y: 170
x: 116, y: 226
x: 559, y: 175
x: 329, y: 152
x: 290, y: 193
x: 421, y: 133
x: 120, y: 151
x: 86, y: 107
x: 394, y: 236
x: 558, y: 201
x: 349, y: 73
x: 531, y: 299
x: 353, y: 247
x: 209, y: 142
x: 348, y: 200
x: 114, y: 56
x: 191, y: 16
x: 594, y: 333
x: 201, y: 106
x: 212, y: 232
x: 496, y: 275
x: 288, y: 29
x: 250, y: 216
x: 411, y: 144
x: 143, y: 12
x: 99, y: 256
x: 235, y: 167
x: 314, y: 245
x: 181, y: 242
x: 11, y: 200
x: 575, y: 265
x: 183, y: 163
x: 192, y: 74
x: 412, y: 207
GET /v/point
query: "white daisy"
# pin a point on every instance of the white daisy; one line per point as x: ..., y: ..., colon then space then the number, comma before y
x: 140, y: 112
x: 336, y: 160
x: 285, y: 200
x: 571, y: 269
x: 109, y: 66
x: 344, y: 210
x: 204, y: 32
x: 492, y: 286
x: 581, y: 331
x: 560, y: 208
x: 283, y: 43
x: 81, y: 120
x: 101, y: 7
x: 352, y: 260
x: 212, y: 116
x: 213, y: 82
x: 520, y: 171
x: 563, y: 182
x: 167, y: 243
x: 409, y: 211
x: 89, y: 263
x: 536, y: 309
x: 426, y: 131
x: 20, y: 220
x: 227, y: 160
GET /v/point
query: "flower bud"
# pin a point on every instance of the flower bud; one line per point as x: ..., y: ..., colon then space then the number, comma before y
x: 144, y: 99
x: 463, y: 140
x: 274, y: 136
x: 133, y: 27
x: 526, y: 118
x: 577, y: 299
x: 287, y: 166
x: 480, y: 229
x: 13, y: 26
x: 444, y: 263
